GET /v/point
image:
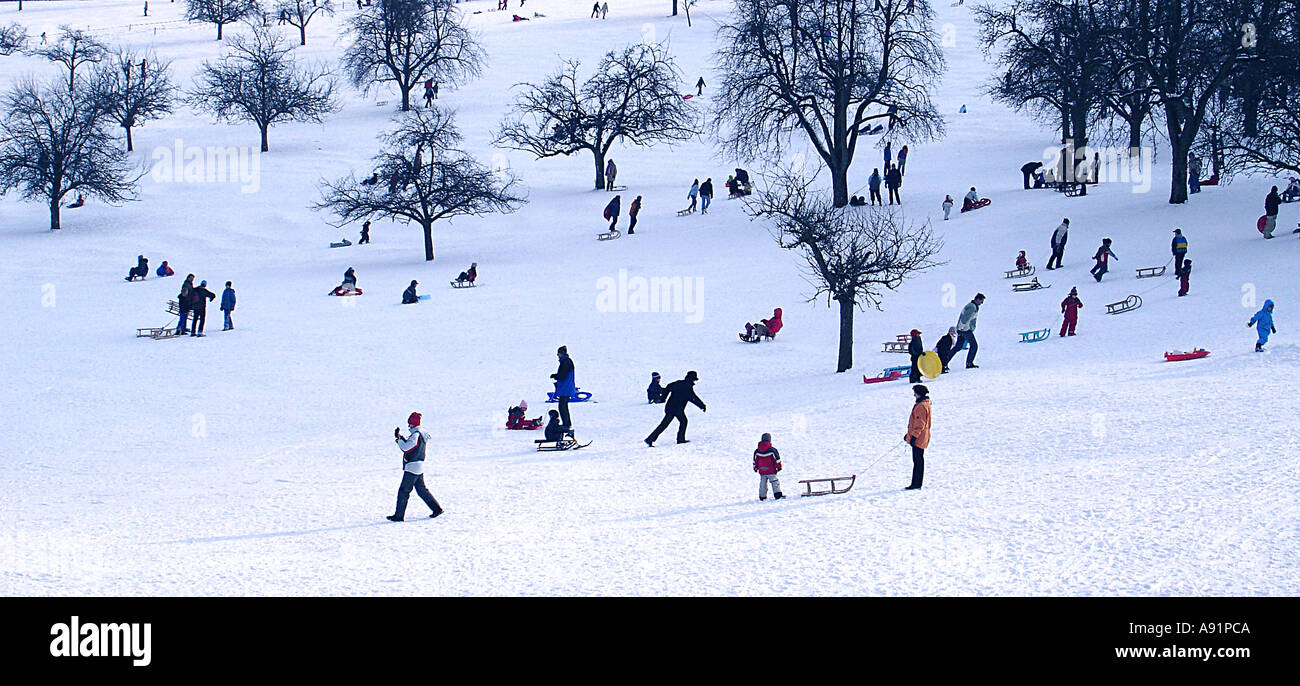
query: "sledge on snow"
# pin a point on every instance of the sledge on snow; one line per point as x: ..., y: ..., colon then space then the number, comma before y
x: 831, y: 488
x: 1149, y: 272
x: 887, y: 374
x: 579, y: 396
x: 687, y: 211
x: 1035, y: 336
x: 1195, y: 354
x: 467, y: 277
x: 1017, y: 273
x: 341, y: 291
x: 1126, y: 305
x: 158, y: 333
x: 1027, y: 286
x: 341, y: 244
x: 568, y: 442
x: 609, y: 235
x: 898, y: 345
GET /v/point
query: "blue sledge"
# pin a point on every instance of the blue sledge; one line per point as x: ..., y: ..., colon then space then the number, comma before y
x: 579, y: 397
x: 1035, y: 336
x: 425, y: 297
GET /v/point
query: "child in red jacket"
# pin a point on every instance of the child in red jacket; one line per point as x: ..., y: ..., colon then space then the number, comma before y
x: 1021, y: 261
x: 767, y: 462
x: 1070, y: 309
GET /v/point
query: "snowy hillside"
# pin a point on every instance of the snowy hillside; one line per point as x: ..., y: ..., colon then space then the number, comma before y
x: 259, y: 461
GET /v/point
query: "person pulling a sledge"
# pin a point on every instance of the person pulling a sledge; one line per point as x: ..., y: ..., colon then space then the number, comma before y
x: 969, y: 202
x: 1070, y: 309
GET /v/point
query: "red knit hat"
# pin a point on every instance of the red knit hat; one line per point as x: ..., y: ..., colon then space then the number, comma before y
x: 414, y: 419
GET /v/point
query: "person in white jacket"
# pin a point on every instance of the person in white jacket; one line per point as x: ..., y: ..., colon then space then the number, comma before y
x: 413, y: 448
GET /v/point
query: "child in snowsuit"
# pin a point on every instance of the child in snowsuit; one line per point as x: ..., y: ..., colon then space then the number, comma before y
x: 767, y: 462
x: 915, y: 349
x: 1183, y: 277
x: 555, y: 430
x: 227, y: 306
x: 140, y: 270
x: 1104, y: 253
x: 1263, y: 323
x: 654, y: 393
x: 516, y: 418
x: 873, y: 185
x: 1021, y: 261
x: 165, y: 270
x: 409, y: 295
x: 947, y: 206
x: 947, y: 347
x: 1070, y: 308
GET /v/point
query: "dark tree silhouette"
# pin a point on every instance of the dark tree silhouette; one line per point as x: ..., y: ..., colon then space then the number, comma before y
x: 299, y: 13
x: 219, y: 12
x: 73, y: 49
x: 132, y: 88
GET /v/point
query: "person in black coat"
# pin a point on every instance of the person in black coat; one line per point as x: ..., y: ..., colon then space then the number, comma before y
x: 947, y: 347
x: 140, y: 270
x: 654, y: 393
x: 915, y: 349
x: 1028, y: 169
x: 893, y: 179
x: 679, y: 393
x: 199, y: 298
x: 564, y: 384
x: 409, y: 295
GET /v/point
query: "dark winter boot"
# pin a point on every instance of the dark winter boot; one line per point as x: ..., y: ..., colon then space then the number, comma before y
x: 394, y: 518
x: 762, y: 497
x: 1259, y: 348
x: 435, y: 513
x: 777, y: 496
x: 649, y: 443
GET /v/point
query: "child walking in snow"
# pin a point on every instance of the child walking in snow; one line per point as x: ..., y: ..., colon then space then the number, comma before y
x: 1103, y: 256
x: 767, y: 462
x: 1183, y: 277
x: 1263, y: 323
x: 947, y: 206
x: 1070, y: 308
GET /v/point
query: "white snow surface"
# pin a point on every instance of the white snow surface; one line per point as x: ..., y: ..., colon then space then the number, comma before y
x: 259, y: 461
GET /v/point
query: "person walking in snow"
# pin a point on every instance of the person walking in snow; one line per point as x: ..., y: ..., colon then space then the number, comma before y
x: 1103, y: 256
x: 227, y: 306
x: 611, y: 171
x: 199, y: 298
x: 947, y: 347
x: 699, y: 86
x: 1179, y: 247
x: 1070, y: 309
x: 902, y: 161
x: 595, y: 11
x: 1183, y: 277
x: 612, y: 210
x: 428, y: 92
x: 604, y: 11
x: 679, y: 393
x: 706, y: 195
x: 1263, y: 323
x: 693, y: 193
x: 632, y: 211
x: 915, y: 349
x: 893, y: 179
x: 183, y: 300
x: 873, y: 185
x: 565, y: 385
x: 889, y: 154
x: 1059, y: 237
x: 918, y: 434
x: 365, y: 233
x: 413, y: 449
x: 767, y: 462
x: 947, y: 206
x: 1271, y: 203
x: 966, y: 329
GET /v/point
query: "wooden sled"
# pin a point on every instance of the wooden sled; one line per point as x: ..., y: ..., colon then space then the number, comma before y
x: 833, y: 489
x: 1072, y: 189
x: 1035, y: 336
x: 1130, y: 303
x: 683, y: 213
x: 157, y: 333
x: 1028, y: 286
x: 1148, y: 272
x: 173, y: 308
x: 1196, y: 354
x: 886, y: 375
x: 566, y: 443
x: 462, y: 284
x: 609, y: 235
x: 1017, y: 273
x: 898, y: 345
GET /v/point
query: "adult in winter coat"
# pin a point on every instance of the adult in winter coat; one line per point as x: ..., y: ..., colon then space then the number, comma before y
x: 918, y: 434
x: 611, y: 211
x: 699, y: 86
x: 199, y: 307
x: 1183, y: 277
x: 183, y: 303
x: 611, y: 171
x: 140, y: 270
x: 706, y: 195
x: 915, y: 349
x: 774, y: 324
x: 1271, y: 203
x: 947, y: 347
x: 632, y: 211
x: 893, y: 180
x: 413, y: 448
x: 767, y: 462
x: 1028, y: 169
x: 889, y: 154
x: 1070, y: 309
x: 679, y: 392
x: 1103, y: 256
x: 1263, y: 323
x: 966, y: 329
x: 365, y: 233
x: 1193, y: 174
x: 1059, y: 237
x: 947, y: 206
x: 873, y: 184
x: 409, y: 295
x: 1179, y: 247
x: 227, y: 306
x: 693, y: 193
x: 565, y: 384
x: 902, y: 161
x: 655, y: 393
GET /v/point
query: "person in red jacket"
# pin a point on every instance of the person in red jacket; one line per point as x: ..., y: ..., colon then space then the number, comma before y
x: 773, y: 324
x: 1022, y: 261
x: 1070, y: 308
x: 767, y: 462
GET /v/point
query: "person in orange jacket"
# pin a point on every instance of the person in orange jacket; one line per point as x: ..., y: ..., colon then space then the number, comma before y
x: 918, y: 433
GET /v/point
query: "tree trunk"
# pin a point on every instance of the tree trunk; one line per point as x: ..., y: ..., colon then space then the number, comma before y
x: 265, y: 147
x: 846, y: 331
x: 1178, y: 182
x: 428, y: 241
x: 1135, y: 132
x: 302, y: 34
x: 54, y: 213
x: 600, y: 169
x: 130, y: 145
x: 406, y: 96
x: 20, y: 6
x: 219, y: 26
x: 840, y: 184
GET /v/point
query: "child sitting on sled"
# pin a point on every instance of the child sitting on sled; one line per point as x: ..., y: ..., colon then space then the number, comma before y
x: 554, y: 429
x: 469, y: 274
x: 515, y: 418
x: 1021, y: 262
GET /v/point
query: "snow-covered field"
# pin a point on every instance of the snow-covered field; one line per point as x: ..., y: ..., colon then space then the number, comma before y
x: 259, y: 461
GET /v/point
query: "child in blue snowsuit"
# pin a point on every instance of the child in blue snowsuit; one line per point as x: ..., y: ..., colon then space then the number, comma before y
x: 1263, y: 323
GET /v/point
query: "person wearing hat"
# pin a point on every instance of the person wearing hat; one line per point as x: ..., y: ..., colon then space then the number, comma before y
x: 1103, y: 257
x: 228, y: 306
x: 1059, y: 237
x: 966, y: 329
x: 655, y: 393
x: 918, y: 434
x: 183, y: 300
x: 679, y: 393
x: 915, y: 349
x: 767, y: 462
x: 199, y: 298
x: 413, y: 447
x: 1070, y: 308
x: 947, y: 347
x: 1183, y: 277
x: 1179, y: 248
x: 409, y: 295
x: 565, y: 385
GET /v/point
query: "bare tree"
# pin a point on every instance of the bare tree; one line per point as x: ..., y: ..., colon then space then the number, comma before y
x: 828, y: 70
x: 259, y: 81
x: 405, y: 42
x: 852, y: 254
x: 220, y: 12
x: 73, y: 49
x: 299, y: 13
x: 633, y: 96
x: 415, y: 189
x: 55, y: 142
x: 13, y: 38
x: 133, y: 88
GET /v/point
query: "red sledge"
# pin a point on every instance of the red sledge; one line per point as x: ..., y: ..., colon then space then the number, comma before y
x: 982, y: 202
x: 1196, y: 354
x: 338, y: 290
x: 888, y: 375
x: 1263, y: 219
